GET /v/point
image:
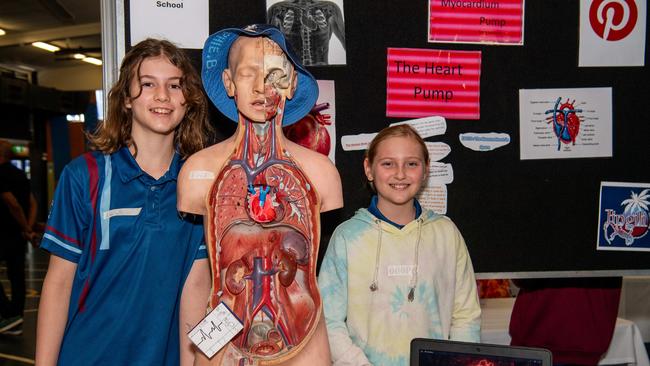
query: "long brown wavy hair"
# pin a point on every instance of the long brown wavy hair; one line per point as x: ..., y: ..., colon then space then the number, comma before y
x: 192, y: 134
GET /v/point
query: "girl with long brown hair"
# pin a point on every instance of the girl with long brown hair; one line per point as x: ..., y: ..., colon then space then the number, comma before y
x: 123, y: 262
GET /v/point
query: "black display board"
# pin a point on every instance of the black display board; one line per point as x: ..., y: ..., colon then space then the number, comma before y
x: 517, y: 216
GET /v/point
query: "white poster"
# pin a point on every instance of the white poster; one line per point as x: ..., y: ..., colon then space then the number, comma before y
x: 612, y: 32
x: 183, y: 22
x: 315, y: 29
x: 317, y: 130
x: 426, y: 126
x: 565, y: 123
x: 434, y: 197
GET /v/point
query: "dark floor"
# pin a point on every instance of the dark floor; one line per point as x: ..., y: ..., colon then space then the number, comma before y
x: 19, y: 350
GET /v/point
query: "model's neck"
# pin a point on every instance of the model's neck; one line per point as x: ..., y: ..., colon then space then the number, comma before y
x: 259, y: 141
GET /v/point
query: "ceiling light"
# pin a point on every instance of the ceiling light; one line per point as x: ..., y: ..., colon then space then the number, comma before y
x: 79, y: 56
x: 46, y: 46
x: 2, y: 32
x: 92, y: 60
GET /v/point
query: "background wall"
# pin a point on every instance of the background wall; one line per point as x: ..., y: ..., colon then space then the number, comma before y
x: 72, y: 78
x: 519, y: 218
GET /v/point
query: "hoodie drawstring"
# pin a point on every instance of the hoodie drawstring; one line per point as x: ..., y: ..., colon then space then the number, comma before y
x: 373, y: 285
x: 414, y: 274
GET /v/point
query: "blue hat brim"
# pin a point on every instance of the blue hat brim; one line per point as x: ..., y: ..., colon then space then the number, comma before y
x: 215, y: 60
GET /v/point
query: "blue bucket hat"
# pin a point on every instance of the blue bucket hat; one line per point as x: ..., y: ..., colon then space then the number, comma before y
x: 215, y: 60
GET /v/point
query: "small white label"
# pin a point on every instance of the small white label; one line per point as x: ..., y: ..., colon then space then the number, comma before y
x: 427, y: 126
x: 437, y: 150
x: 121, y: 212
x: 440, y: 173
x: 400, y: 270
x: 434, y: 197
x: 357, y: 142
x: 201, y: 174
x: 484, y: 141
x: 215, y: 330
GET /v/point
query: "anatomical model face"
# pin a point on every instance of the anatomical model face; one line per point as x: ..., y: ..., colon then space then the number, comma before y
x: 259, y: 76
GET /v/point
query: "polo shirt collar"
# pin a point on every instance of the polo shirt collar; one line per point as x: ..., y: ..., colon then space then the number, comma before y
x: 130, y: 170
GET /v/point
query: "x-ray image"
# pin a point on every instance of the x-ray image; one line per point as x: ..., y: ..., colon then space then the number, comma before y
x: 314, y: 28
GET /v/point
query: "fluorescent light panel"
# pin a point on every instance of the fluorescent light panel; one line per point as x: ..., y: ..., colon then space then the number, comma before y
x: 2, y: 32
x: 92, y: 60
x: 79, y: 56
x: 46, y: 46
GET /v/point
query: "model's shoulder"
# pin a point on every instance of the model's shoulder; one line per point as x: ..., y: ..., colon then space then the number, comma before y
x: 305, y: 156
x: 210, y: 158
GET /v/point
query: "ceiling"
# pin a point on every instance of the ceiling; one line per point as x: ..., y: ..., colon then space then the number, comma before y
x: 72, y: 25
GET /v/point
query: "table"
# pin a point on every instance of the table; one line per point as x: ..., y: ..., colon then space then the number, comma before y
x: 626, y: 346
x: 634, y: 303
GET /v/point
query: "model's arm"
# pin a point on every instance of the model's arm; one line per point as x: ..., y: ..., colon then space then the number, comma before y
x: 16, y: 211
x: 194, y: 181
x: 197, y: 176
x: 53, y: 310
x: 333, y: 283
x: 466, y: 316
x: 332, y: 195
x: 194, y: 300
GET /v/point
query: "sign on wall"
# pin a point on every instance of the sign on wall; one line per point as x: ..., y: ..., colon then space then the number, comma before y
x: 565, y: 123
x: 426, y: 82
x: 154, y: 19
x: 612, y: 32
x: 623, y: 216
x: 477, y: 21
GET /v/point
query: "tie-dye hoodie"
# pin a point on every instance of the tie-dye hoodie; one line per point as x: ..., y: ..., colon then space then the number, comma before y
x: 427, y: 255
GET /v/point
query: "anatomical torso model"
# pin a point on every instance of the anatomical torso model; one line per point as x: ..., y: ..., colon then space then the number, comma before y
x: 261, y: 214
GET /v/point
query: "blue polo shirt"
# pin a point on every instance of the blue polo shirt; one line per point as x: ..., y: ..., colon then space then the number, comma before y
x: 133, y: 254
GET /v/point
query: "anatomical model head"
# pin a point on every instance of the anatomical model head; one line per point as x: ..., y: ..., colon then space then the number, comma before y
x: 258, y: 77
x: 249, y: 71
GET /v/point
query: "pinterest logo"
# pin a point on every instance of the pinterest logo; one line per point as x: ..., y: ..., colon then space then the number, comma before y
x: 613, y: 20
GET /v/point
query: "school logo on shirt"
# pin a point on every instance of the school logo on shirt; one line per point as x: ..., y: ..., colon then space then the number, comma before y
x: 122, y: 212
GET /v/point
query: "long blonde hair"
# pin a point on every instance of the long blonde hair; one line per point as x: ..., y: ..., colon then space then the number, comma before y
x: 192, y: 134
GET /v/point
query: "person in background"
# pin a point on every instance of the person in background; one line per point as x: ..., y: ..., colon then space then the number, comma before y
x: 572, y: 317
x: 17, y: 217
x: 395, y: 271
x: 124, y: 263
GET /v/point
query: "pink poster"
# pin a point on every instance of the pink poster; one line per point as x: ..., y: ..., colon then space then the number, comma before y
x: 477, y: 21
x: 424, y: 82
